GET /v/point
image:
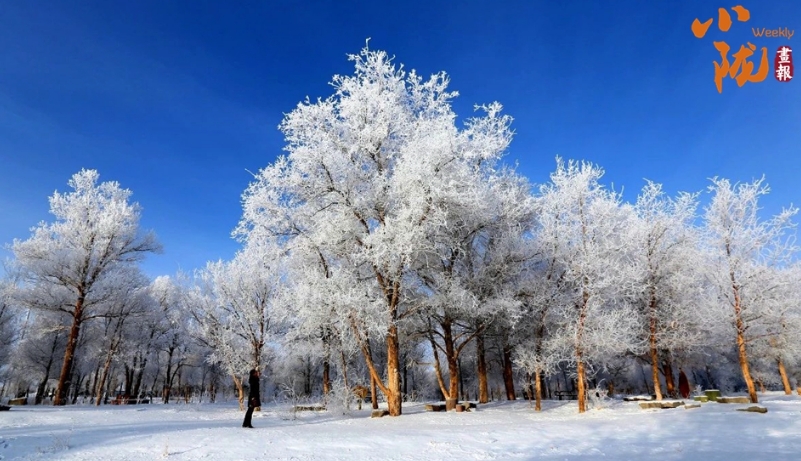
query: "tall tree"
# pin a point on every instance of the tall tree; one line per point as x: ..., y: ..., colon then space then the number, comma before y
x: 743, y: 247
x: 668, y: 280
x: 85, y: 254
x: 371, y: 169
x: 588, y: 223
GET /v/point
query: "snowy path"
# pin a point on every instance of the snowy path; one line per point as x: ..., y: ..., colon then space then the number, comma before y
x: 496, y: 431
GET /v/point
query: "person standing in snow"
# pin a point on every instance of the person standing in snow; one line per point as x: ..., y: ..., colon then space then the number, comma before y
x: 254, y: 399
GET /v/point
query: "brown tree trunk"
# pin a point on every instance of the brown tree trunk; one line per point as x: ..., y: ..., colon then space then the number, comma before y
x: 653, y: 349
x: 538, y: 390
x: 326, y: 377
x: 785, y: 381
x: 69, y: 354
x: 508, y: 374
x: 580, y: 377
x: 394, y: 398
x: 373, y: 393
x: 453, y: 367
x: 483, y: 387
x: 667, y: 367
x: 742, y: 353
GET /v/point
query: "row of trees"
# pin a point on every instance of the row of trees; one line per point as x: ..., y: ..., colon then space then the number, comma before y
x: 388, y: 237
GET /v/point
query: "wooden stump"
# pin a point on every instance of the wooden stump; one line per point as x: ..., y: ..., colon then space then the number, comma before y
x: 459, y: 408
x: 712, y: 394
x: 701, y: 398
x: 379, y: 413
x: 450, y: 404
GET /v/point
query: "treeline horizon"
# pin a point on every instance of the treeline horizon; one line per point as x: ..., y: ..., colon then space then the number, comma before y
x: 390, y: 248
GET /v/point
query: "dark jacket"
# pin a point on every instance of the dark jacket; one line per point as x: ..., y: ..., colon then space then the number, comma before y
x: 254, y: 398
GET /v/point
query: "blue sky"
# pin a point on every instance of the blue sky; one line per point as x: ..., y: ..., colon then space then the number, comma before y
x: 179, y: 100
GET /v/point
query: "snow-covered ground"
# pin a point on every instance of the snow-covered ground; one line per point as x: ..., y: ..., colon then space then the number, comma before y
x: 502, y: 430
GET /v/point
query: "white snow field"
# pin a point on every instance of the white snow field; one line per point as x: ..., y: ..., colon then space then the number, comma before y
x: 501, y: 430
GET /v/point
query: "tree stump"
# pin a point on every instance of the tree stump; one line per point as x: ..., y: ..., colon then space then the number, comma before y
x: 701, y: 398
x: 379, y: 413
x: 450, y: 404
x: 712, y: 394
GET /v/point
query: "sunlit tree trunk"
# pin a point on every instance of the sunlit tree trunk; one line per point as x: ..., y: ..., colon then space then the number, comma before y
x: 785, y: 381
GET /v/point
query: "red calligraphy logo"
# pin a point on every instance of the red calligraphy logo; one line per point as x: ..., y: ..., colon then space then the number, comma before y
x: 783, y: 64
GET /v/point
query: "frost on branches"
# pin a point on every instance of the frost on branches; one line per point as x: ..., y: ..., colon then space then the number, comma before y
x: 745, y: 252
x: 370, y: 172
x: 74, y: 264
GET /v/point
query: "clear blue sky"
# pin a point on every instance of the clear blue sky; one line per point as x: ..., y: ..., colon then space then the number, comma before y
x: 178, y: 100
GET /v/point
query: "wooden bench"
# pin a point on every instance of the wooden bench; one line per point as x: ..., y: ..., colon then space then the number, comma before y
x: 309, y: 408
x: 441, y: 406
x: 570, y: 395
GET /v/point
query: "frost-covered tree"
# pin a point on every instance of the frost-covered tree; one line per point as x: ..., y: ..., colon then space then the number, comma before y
x: 775, y: 343
x: 127, y: 307
x: 173, y: 343
x: 743, y: 248
x: 84, y: 255
x: 370, y: 170
x: 668, y: 282
x: 588, y: 224
x: 234, y: 310
x: 467, y: 275
x: 8, y: 334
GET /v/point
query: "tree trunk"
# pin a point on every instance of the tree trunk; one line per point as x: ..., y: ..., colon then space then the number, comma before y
x: 167, y: 389
x: 240, y: 391
x: 508, y: 375
x: 483, y: 387
x: 653, y: 349
x: 373, y: 393
x: 538, y: 390
x: 667, y: 367
x: 785, y: 381
x: 69, y: 354
x: 344, y: 369
x: 326, y: 377
x: 453, y: 367
x: 742, y: 353
x: 103, y: 377
x: 394, y: 401
x: 43, y: 384
x: 581, y: 391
